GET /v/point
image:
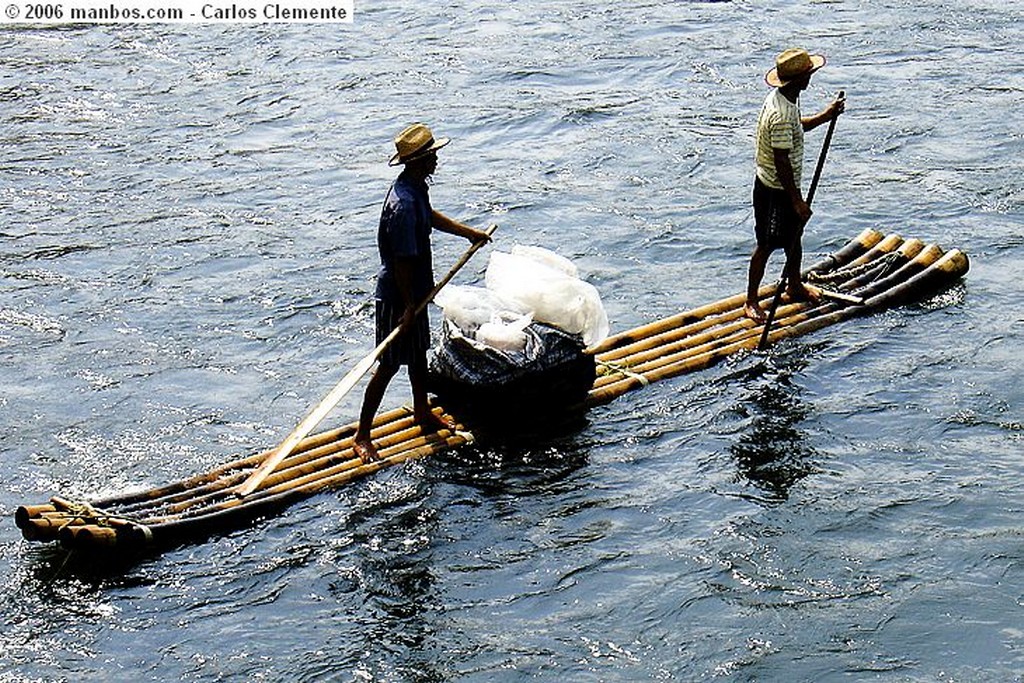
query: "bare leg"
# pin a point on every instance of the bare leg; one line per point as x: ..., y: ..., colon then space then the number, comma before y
x: 758, y: 261
x: 426, y: 418
x: 795, y: 287
x: 372, y: 399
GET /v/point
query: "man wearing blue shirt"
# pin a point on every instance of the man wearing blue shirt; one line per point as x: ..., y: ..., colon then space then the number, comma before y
x: 406, y: 277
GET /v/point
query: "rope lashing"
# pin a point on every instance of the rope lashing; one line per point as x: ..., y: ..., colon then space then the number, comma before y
x: 888, y: 264
x: 623, y: 370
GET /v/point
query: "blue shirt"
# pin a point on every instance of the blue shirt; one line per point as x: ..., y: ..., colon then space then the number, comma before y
x: 405, y: 226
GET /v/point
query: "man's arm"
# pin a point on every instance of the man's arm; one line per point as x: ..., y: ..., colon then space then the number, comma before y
x: 833, y: 110
x: 453, y: 227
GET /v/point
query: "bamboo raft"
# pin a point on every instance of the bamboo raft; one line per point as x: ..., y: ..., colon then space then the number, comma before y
x: 871, y: 273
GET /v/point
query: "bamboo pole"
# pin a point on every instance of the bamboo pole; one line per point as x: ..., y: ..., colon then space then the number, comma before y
x: 89, y: 535
x: 329, y: 455
x: 929, y: 269
x: 41, y: 528
x: 887, y: 244
x: 26, y: 512
x: 253, y: 506
x: 726, y: 311
x: 241, y: 463
x: 325, y: 450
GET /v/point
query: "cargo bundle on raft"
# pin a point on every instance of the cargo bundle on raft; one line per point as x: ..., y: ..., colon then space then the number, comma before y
x: 871, y: 273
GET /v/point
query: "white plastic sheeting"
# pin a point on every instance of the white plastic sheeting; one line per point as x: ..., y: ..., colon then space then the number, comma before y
x: 529, y: 284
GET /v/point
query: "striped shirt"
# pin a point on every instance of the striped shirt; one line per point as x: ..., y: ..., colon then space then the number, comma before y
x: 779, y: 127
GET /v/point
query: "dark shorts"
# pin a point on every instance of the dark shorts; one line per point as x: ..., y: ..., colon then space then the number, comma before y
x: 407, y: 347
x: 776, y: 224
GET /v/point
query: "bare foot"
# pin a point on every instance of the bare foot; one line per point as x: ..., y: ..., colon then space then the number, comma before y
x: 804, y: 292
x: 431, y: 423
x: 365, y: 451
x: 753, y: 311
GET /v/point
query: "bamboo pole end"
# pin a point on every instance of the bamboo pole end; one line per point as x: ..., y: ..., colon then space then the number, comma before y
x: 954, y: 262
x: 25, y: 513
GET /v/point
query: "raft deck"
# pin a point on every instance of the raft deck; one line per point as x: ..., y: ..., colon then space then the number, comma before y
x: 874, y: 270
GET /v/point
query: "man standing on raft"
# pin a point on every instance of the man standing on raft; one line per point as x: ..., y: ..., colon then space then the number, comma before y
x: 406, y: 277
x: 780, y: 212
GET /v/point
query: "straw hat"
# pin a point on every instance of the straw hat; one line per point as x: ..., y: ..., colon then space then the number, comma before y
x: 791, y: 64
x: 415, y: 142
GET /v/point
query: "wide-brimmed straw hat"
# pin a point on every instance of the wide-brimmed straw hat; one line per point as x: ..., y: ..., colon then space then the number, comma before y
x: 415, y: 142
x: 792, y: 64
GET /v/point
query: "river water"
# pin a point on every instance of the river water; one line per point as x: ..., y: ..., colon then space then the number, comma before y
x: 186, y: 266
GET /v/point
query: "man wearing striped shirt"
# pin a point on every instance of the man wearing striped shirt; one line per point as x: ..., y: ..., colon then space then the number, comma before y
x: 780, y: 211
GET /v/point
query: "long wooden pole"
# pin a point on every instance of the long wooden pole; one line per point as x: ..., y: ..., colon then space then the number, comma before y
x: 810, y: 197
x: 346, y: 384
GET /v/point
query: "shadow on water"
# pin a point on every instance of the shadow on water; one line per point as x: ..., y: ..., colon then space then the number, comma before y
x: 402, y: 554
x: 771, y: 453
x: 48, y: 565
x: 526, y: 460
x: 396, y: 593
x: 401, y: 557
